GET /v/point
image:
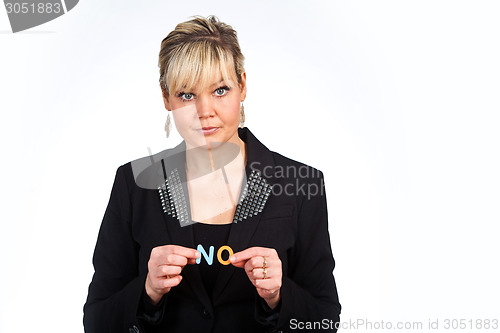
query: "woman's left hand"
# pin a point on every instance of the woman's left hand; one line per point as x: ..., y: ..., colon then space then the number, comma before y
x: 263, y: 268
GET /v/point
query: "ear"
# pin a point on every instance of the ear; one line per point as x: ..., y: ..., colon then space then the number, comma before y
x: 165, y: 99
x: 243, y: 86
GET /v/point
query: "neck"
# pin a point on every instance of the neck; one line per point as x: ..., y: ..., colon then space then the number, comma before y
x: 209, y: 158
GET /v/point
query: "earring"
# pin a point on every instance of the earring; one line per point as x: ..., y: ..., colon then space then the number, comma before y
x: 242, y: 116
x: 168, y: 125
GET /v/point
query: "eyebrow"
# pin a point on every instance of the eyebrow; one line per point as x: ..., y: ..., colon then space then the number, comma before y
x: 184, y: 88
x: 216, y: 83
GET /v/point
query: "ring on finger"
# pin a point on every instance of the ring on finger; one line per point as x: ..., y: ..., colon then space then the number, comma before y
x: 264, y: 265
x: 265, y: 272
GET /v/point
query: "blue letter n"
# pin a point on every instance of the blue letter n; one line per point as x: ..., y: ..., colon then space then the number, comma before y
x: 209, y: 258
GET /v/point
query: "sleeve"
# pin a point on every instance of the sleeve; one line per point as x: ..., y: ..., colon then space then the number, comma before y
x: 151, y: 315
x: 264, y: 314
x: 309, y: 293
x: 115, y: 292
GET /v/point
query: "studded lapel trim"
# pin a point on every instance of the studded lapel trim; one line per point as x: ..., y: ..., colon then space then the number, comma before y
x: 173, y: 198
x: 252, y: 199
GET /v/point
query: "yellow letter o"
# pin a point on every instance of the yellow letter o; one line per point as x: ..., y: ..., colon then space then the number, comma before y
x: 219, y: 254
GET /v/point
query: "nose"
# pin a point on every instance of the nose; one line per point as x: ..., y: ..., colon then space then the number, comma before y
x: 204, y: 107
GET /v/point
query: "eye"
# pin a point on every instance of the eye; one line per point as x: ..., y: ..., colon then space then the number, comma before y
x: 186, y: 96
x: 221, y: 91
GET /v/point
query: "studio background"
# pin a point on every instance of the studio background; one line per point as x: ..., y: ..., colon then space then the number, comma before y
x: 395, y: 101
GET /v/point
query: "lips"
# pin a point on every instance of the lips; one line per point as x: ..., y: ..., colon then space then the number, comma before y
x: 208, y: 130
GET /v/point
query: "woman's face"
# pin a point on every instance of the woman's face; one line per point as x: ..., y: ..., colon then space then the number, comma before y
x: 208, y: 115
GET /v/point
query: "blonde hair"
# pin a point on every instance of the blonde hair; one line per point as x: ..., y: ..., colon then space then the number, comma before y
x: 195, y: 51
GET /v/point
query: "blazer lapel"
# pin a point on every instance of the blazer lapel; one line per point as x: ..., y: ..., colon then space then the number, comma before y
x: 253, y: 196
x: 183, y: 236
x: 247, y: 220
x: 179, y: 217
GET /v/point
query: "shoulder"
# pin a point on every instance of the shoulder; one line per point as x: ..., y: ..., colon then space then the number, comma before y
x: 274, y: 164
x: 285, y: 169
x: 296, y: 179
x: 288, y: 163
x: 149, y: 172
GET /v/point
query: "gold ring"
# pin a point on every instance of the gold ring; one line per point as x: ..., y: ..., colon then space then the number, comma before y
x: 265, y: 273
x: 265, y: 262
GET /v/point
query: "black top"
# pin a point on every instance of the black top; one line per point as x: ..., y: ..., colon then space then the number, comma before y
x: 208, y: 239
x: 293, y: 222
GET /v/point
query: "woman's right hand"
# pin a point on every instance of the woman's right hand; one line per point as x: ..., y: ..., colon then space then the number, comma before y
x: 164, y: 268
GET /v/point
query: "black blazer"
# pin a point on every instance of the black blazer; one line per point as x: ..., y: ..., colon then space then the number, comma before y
x: 293, y: 221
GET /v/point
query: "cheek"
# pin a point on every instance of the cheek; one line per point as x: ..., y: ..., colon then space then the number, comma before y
x: 180, y: 122
x: 183, y: 117
x: 231, y: 112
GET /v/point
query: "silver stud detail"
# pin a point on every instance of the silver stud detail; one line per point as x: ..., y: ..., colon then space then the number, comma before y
x: 253, y: 198
x: 172, y: 197
x: 251, y: 202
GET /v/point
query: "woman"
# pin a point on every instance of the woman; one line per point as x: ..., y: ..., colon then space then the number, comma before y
x: 219, y: 191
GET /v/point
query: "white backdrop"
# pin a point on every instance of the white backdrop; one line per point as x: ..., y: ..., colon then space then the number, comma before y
x: 397, y: 102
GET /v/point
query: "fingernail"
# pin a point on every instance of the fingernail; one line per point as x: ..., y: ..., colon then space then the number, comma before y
x: 197, y: 254
x: 232, y: 258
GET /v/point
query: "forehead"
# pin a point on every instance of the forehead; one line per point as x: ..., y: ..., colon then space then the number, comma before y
x: 197, y: 84
x: 200, y: 68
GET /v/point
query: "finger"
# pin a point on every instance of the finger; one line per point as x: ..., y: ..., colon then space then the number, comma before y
x: 254, y: 262
x: 191, y: 261
x: 170, y: 282
x: 185, y: 252
x: 268, y: 284
x: 250, y: 265
x: 162, y: 251
x: 258, y: 262
x: 251, y: 252
x: 258, y: 274
x: 168, y: 270
x: 239, y: 264
x: 174, y: 260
